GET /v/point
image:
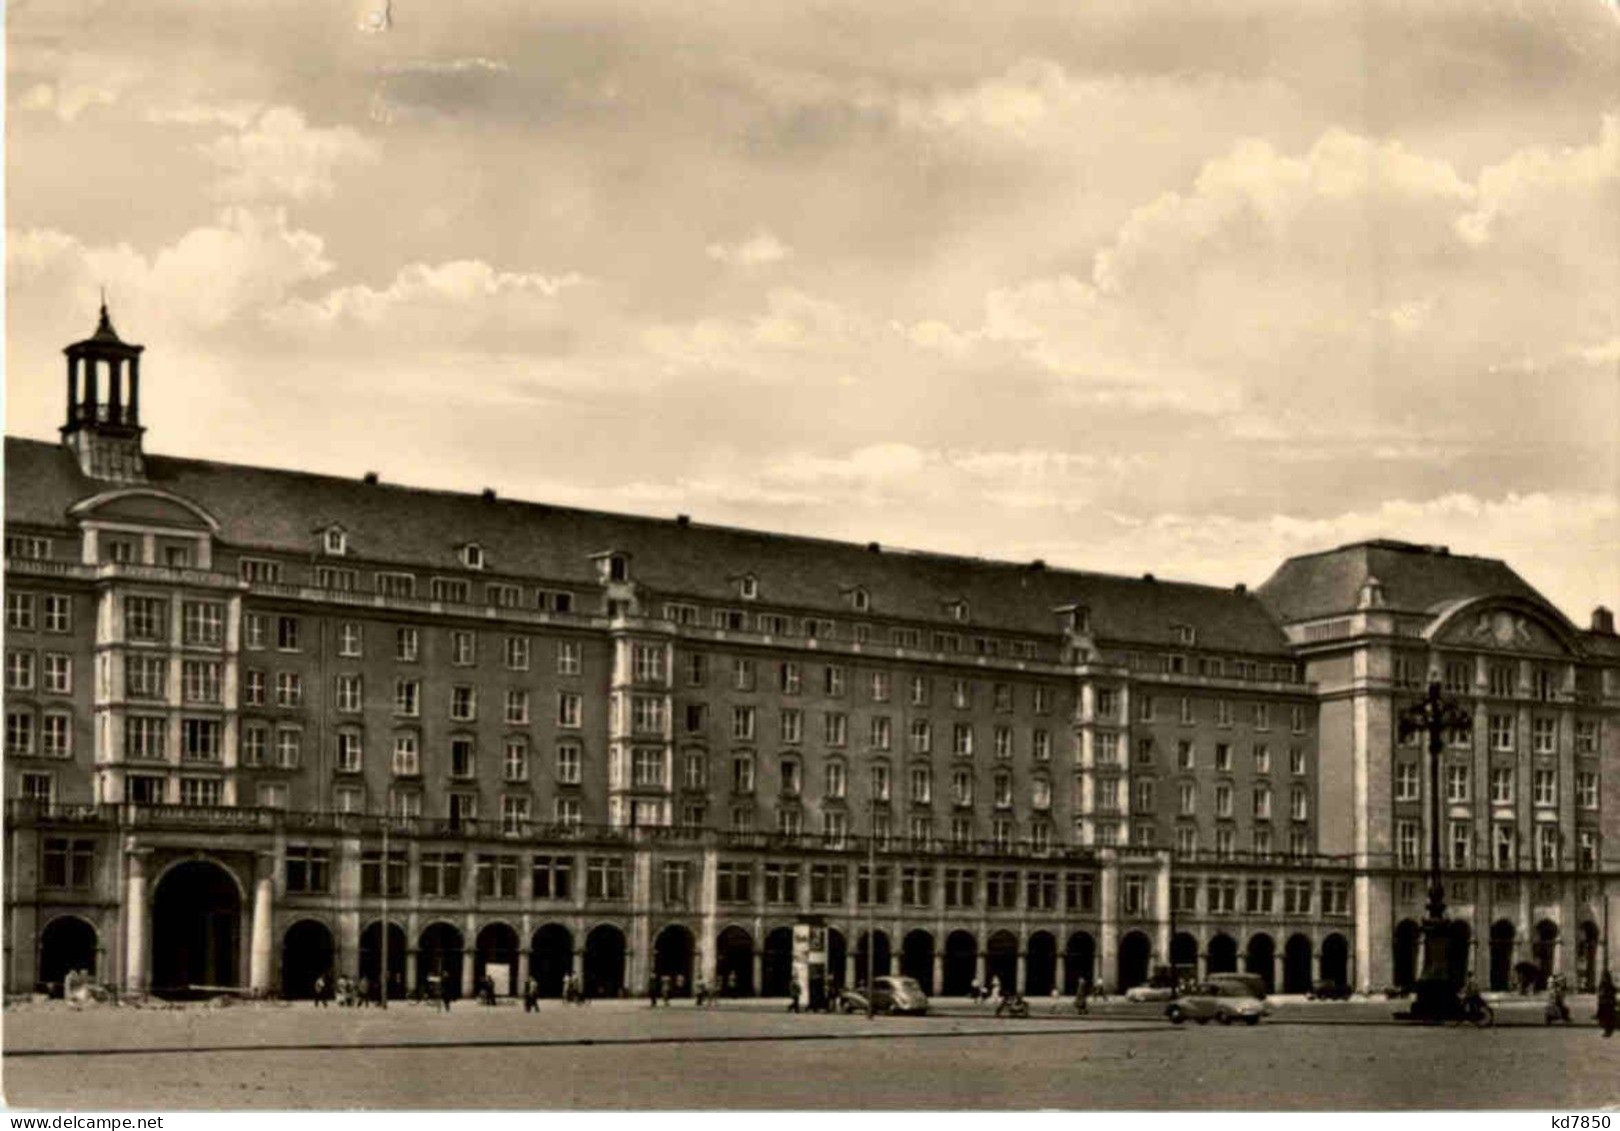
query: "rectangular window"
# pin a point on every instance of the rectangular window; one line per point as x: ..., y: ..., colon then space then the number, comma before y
x: 1223, y: 757
x: 503, y: 596
x: 146, y: 618
x: 200, y: 791
x: 1461, y: 841
x: 203, y: 623
x: 516, y: 653
x: 734, y: 883
x: 1544, y: 735
x: 647, y: 663
x: 1547, y: 847
x: 742, y: 674
x: 1406, y: 781
x: 792, y: 725
x: 1501, y: 732
x: 56, y: 736
x: 408, y: 697
x: 570, y: 760
x: 373, y: 873
x: 569, y: 705
x: 463, y: 703
x: 496, y: 876
x: 289, y: 748
x: 58, y: 613
x: 396, y: 584
x: 20, y: 671
x: 449, y: 590
x: 743, y: 723
x: 27, y: 546
x: 199, y: 740
x: 962, y: 739
x: 287, y: 634
x: 1546, y: 787
x: 350, y: 696
x: 1457, y: 783
x: 407, y: 754
x: 553, y: 877
x: 407, y: 645
x: 917, y: 886
x: 463, y: 758
x: 308, y: 869
x: 257, y: 570
x: 349, y: 751
x: 517, y: 707
x: 1586, y: 789
x: 835, y: 728
x: 570, y: 657
x: 1080, y: 891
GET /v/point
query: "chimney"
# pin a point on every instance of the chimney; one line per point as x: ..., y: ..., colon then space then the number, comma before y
x: 874, y: 548
x: 1240, y: 589
x: 489, y: 494
x: 683, y: 520
x: 1603, y: 621
x: 371, y: 478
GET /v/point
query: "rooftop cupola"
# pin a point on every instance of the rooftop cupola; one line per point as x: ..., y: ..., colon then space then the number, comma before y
x: 104, y: 404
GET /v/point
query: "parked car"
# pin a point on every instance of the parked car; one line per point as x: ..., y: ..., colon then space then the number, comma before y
x: 1215, y: 1002
x: 1149, y: 992
x: 1329, y: 991
x: 889, y: 995
x: 1252, y: 984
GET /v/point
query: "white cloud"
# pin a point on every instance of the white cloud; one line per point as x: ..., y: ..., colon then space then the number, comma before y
x: 68, y: 100
x: 210, y: 276
x: 280, y: 157
x: 756, y: 251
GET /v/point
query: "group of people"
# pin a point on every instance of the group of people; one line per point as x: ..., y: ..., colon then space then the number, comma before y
x: 346, y: 991
x: 661, y: 987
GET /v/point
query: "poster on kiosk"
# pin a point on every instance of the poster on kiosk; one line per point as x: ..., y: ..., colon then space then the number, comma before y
x: 810, y: 959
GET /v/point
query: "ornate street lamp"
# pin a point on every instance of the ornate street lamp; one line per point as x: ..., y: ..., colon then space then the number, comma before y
x: 1435, y: 995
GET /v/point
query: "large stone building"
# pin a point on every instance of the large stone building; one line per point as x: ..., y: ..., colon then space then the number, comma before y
x: 253, y: 715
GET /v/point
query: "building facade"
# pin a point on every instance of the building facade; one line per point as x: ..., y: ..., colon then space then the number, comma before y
x: 263, y: 725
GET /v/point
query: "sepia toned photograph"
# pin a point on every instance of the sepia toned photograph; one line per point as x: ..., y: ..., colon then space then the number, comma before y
x: 721, y: 556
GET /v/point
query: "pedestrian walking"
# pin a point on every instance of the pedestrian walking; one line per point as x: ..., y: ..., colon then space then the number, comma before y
x: 446, y: 991
x: 794, y: 990
x: 1082, y: 995
x: 994, y: 993
x: 364, y: 991
x: 652, y: 990
x: 531, y: 995
x: 320, y: 990
x: 731, y: 984
x: 1606, y: 1004
x: 700, y: 993
x: 666, y: 984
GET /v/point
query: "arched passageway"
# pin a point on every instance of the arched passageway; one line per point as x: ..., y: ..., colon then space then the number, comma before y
x: 672, y: 958
x: 1503, y: 934
x: 1223, y: 955
x: 1586, y: 957
x: 961, y: 963
x: 604, y: 961
x: 1135, y: 954
x: 917, y: 958
x: 1459, y: 952
x: 371, y: 956
x: 1297, y: 965
x: 1408, y: 938
x: 307, y: 953
x: 1545, y: 949
x: 1184, y: 955
x: 1336, y: 960
x: 734, y: 963
x: 776, y: 963
x: 438, y: 959
x: 1040, y: 964
x: 496, y: 957
x: 196, y: 929
x: 1261, y: 959
x: 837, y: 959
x: 551, y: 958
x: 1080, y: 961
x: 879, y: 957
x: 1001, y: 959
x: 67, y: 943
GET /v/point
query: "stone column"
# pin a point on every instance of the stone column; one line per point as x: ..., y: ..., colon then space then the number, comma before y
x: 1277, y: 974
x: 759, y: 973
x: 978, y: 968
x: 135, y: 968
x: 1023, y: 971
x: 410, y: 970
x: 1063, y: 971
x: 1203, y: 966
x: 939, y: 973
x: 851, y: 975
x: 467, y: 955
x: 263, y: 903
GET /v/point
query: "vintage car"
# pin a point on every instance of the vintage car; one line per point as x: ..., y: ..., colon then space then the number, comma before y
x: 1213, y: 1001
x: 889, y: 995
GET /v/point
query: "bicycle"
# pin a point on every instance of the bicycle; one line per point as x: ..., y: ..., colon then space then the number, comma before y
x: 1012, y: 1005
x: 1477, y: 1013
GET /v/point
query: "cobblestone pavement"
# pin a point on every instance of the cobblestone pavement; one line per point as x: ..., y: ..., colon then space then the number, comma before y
x: 1317, y: 1056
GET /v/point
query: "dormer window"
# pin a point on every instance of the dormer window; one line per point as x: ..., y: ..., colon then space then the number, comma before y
x: 612, y: 565
x: 472, y: 556
x: 958, y: 610
x: 1076, y: 618
x: 860, y: 599
x: 748, y: 587
x: 1186, y: 635
x: 335, y: 541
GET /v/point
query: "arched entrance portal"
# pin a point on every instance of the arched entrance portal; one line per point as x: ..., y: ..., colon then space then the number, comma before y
x: 1134, y: 954
x: 551, y: 958
x: 196, y: 929
x: 1040, y: 964
x: 307, y: 953
x: 1502, y: 935
x: 1184, y: 955
x: 371, y: 957
x: 1407, y: 939
x: 438, y: 959
x: 1586, y: 958
x: 1222, y: 955
x: 1336, y: 959
x: 66, y: 944
x: 1080, y: 961
x: 1001, y: 959
x: 961, y: 963
x: 837, y: 959
x: 776, y: 963
x: 672, y: 958
x: 1459, y: 952
x: 1261, y: 959
x: 879, y: 955
x: 604, y: 961
x: 1545, y: 949
x: 497, y: 947
x: 734, y: 962
x: 917, y: 959
x: 1297, y: 965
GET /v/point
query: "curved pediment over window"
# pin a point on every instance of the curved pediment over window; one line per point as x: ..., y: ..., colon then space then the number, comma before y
x: 145, y: 506
x: 1504, y: 624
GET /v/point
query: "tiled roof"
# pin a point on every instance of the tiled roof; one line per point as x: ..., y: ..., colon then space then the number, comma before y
x: 277, y: 510
x: 1414, y: 578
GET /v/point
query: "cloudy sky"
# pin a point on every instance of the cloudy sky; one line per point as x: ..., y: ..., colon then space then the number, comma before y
x: 1135, y: 285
